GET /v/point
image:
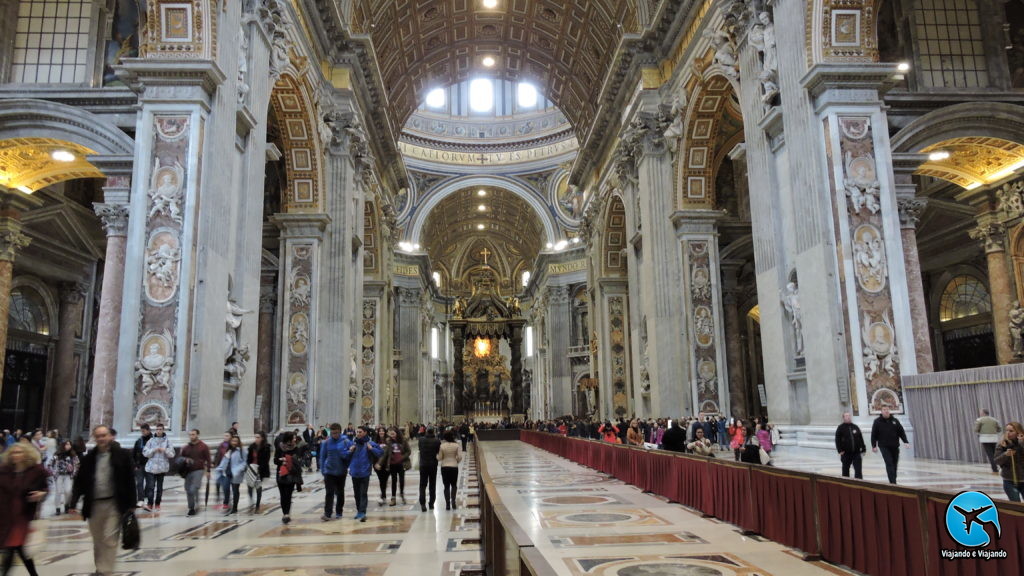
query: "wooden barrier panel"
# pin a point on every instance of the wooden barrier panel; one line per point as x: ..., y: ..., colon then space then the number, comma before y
x: 784, y: 504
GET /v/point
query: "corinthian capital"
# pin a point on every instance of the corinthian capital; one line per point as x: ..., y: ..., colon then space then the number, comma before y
x: 910, y: 210
x: 114, y: 218
x: 11, y: 239
x: 992, y: 236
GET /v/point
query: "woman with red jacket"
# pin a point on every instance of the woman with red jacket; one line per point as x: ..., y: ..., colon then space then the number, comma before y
x: 739, y: 437
x: 22, y: 488
x: 610, y: 432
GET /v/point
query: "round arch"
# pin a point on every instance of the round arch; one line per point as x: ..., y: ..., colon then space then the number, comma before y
x: 435, y: 196
x: 291, y: 100
x: 989, y: 119
x: 696, y: 164
x: 29, y: 118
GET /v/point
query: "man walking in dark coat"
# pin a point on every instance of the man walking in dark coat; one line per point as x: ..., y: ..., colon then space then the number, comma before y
x: 886, y: 434
x: 850, y: 445
x: 106, y: 482
x: 430, y: 445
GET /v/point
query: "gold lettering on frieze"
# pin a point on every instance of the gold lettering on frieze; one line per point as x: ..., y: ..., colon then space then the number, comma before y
x: 488, y: 159
x: 566, y: 267
x: 407, y: 270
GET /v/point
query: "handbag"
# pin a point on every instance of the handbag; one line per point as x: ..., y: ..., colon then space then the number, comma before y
x: 407, y: 464
x: 130, y: 533
x: 252, y: 476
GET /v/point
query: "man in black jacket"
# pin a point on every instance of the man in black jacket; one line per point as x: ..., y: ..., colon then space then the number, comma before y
x: 886, y: 434
x: 106, y: 482
x: 674, y: 439
x: 430, y: 445
x: 850, y: 445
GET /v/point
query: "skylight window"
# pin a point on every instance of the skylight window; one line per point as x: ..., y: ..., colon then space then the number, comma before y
x: 481, y: 95
x: 436, y: 98
x: 527, y: 95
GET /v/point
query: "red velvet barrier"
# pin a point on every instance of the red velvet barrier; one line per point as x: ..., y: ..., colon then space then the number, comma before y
x: 871, y: 529
x: 1011, y: 521
x: 730, y: 489
x: 784, y: 504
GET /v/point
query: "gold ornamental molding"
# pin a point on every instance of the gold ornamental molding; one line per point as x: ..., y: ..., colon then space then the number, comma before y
x: 488, y: 158
x: 567, y: 267
x: 30, y: 164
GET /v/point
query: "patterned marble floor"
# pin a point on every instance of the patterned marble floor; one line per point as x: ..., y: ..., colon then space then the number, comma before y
x: 399, y: 540
x: 585, y: 523
x: 939, y: 475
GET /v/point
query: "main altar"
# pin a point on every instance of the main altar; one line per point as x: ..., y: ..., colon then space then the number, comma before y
x: 484, y: 387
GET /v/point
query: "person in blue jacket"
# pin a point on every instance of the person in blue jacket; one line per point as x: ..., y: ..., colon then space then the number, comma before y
x: 362, y: 454
x: 333, y: 463
x: 232, y: 467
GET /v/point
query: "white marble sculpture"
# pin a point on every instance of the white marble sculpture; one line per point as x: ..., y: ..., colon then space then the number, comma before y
x: 165, y: 191
x: 1017, y: 329
x: 791, y: 301
x: 162, y: 265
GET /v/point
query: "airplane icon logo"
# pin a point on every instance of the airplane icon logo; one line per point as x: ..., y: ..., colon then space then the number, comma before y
x: 965, y: 511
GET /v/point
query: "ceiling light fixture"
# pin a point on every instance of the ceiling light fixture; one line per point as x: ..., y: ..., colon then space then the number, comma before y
x: 549, y: 245
x: 938, y: 155
x: 561, y: 244
x: 576, y: 240
x: 415, y: 246
x: 25, y: 189
x: 480, y: 226
x: 481, y: 192
x: 62, y: 156
x: 405, y: 246
x: 490, y: 3
x: 482, y: 208
x: 903, y: 66
x: 972, y: 185
x: 489, y: 61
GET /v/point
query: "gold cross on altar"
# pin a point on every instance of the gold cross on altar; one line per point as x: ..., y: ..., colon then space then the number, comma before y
x: 485, y: 253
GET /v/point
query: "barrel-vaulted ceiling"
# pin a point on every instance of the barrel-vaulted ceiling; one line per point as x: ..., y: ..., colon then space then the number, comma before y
x: 565, y: 47
x: 456, y: 231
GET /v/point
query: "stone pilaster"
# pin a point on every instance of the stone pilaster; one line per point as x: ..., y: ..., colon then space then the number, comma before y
x: 410, y: 333
x: 558, y: 324
x: 734, y: 333
x: 993, y: 237
x: 265, y: 358
x: 11, y: 242
x: 65, y: 378
x: 301, y: 239
x: 656, y: 293
x: 108, y: 326
x: 702, y: 289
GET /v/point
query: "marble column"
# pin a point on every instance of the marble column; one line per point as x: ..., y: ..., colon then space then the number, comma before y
x: 410, y: 328
x: 108, y: 326
x: 993, y: 238
x: 516, y: 344
x: 734, y: 329
x: 11, y: 242
x: 910, y: 209
x: 65, y: 377
x: 558, y: 322
x: 458, y: 378
x: 265, y: 357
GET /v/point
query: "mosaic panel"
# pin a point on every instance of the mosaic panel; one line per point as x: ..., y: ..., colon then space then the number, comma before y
x: 619, y: 518
x: 617, y: 348
x: 368, y: 390
x: 665, y: 565
x: 209, y: 530
x: 315, y: 527
x: 626, y: 539
x: 371, y: 570
x: 703, y: 325
x: 299, y: 309
x: 315, y: 549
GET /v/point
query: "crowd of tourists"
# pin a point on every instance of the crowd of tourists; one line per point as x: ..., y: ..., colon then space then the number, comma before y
x: 111, y: 481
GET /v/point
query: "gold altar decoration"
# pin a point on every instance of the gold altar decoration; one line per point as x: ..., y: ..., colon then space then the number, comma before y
x: 482, y: 347
x: 493, y: 363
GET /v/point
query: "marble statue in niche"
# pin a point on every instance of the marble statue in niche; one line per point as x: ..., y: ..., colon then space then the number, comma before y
x: 165, y: 191
x: 243, y: 67
x: 869, y: 258
x: 235, y: 354
x: 155, y: 363
x: 861, y: 184
x: 791, y: 302
x: 674, y: 131
x: 1017, y: 329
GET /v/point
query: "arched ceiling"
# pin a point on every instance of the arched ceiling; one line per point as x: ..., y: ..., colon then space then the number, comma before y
x: 28, y: 163
x: 565, y: 48
x: 973, y: 161
x: 512, y: 233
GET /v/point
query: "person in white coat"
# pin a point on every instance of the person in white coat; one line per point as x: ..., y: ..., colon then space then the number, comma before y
x: 160, y: 452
